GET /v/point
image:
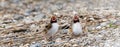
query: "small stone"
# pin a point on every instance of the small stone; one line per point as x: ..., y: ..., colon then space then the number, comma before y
x: 103, y: 32
x: 20, y: 25
x: 72, y: 0
x: 38, y: 17
x: 62, y: 21
x: 7, y: 21
x: 74, y: 41
x: 34, y: 27
x: 103, y: 27
x: 56, y: 13
x: 75, y: 45
x: 21, y: 45
x: 117, y: 23
x: 15, y: 1
x: 103, y: 24
x: 36, y: 45
x: 92, y: 19
x: 104, y: 20
x: 113, y: 20
x: 108, y: 26
x: 27, y: 20
x: 118, y: 14
x: 27, y: 12
x: 98, y: 27
x: 74, y: 12
x: 44, y: 42
x: 67, y: 45
x: 3, y: 4
x: 101, y: 44
x: 18, y: 17
x: 91, y: 28
x: 107, y: 45
x: 26, y: 45
x: 65, y: 31
x: 58, y: 41
x: 98, y: 38
x: 8, y: 27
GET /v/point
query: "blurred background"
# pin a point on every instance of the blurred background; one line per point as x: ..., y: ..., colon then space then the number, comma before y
x: 55, y: 5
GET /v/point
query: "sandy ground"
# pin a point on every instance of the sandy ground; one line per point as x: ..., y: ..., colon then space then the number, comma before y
x: 21, y: 22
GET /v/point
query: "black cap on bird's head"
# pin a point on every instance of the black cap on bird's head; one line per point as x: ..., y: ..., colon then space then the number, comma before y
x: 76, y: 19
x: 53, y: 19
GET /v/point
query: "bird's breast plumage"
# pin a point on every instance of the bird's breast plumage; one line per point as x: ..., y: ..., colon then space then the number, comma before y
x: 77, y: 28
x: 53, y: 29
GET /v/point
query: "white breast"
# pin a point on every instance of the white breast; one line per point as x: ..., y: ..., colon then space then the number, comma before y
x: 76, y: 28
x: 53, y: 30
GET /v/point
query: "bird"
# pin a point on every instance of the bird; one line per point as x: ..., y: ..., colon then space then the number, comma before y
x: 76, y: 28
x: 52, y: 28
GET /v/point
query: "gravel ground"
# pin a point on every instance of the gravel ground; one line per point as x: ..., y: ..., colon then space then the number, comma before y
x: 21, y: 22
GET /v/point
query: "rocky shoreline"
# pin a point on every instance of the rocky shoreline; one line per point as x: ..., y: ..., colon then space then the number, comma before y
x: 22, y: 21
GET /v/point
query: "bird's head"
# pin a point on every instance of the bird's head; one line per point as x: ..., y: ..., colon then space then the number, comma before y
x: 53, y: 19
x: 76, y: 19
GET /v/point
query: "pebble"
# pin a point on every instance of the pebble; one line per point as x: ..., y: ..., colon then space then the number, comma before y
x: 36, y: 45
x: 113, y: 20
x: 74, y: 41
x: 27, y: 20
x: 75, y: 45
x: 104, y: 20
x: 19, y: 25
x: 67, y: 45
x: 15, y: 1
x: 118, y: 14
x: 98, y: 27
x: 34, y: 27
x: 26, y: 45
x: 91, y: 28
x: 38, y: 17
x: 92, y: 19
x: 62, y: 21
x: 103, y: 24
x: 18, y: 17
x: 117, y: 23
x: 72, y: 0
x: 3, y: 4
x: 65, y: 31
x: 58, y: 40
x: 7, y: 27
x: 98, y: 38
x: 43, y: 42
x: 27, y: 12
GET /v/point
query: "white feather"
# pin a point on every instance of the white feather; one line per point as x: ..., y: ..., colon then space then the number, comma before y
x: 77, y: 29
x: 53, y: 30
